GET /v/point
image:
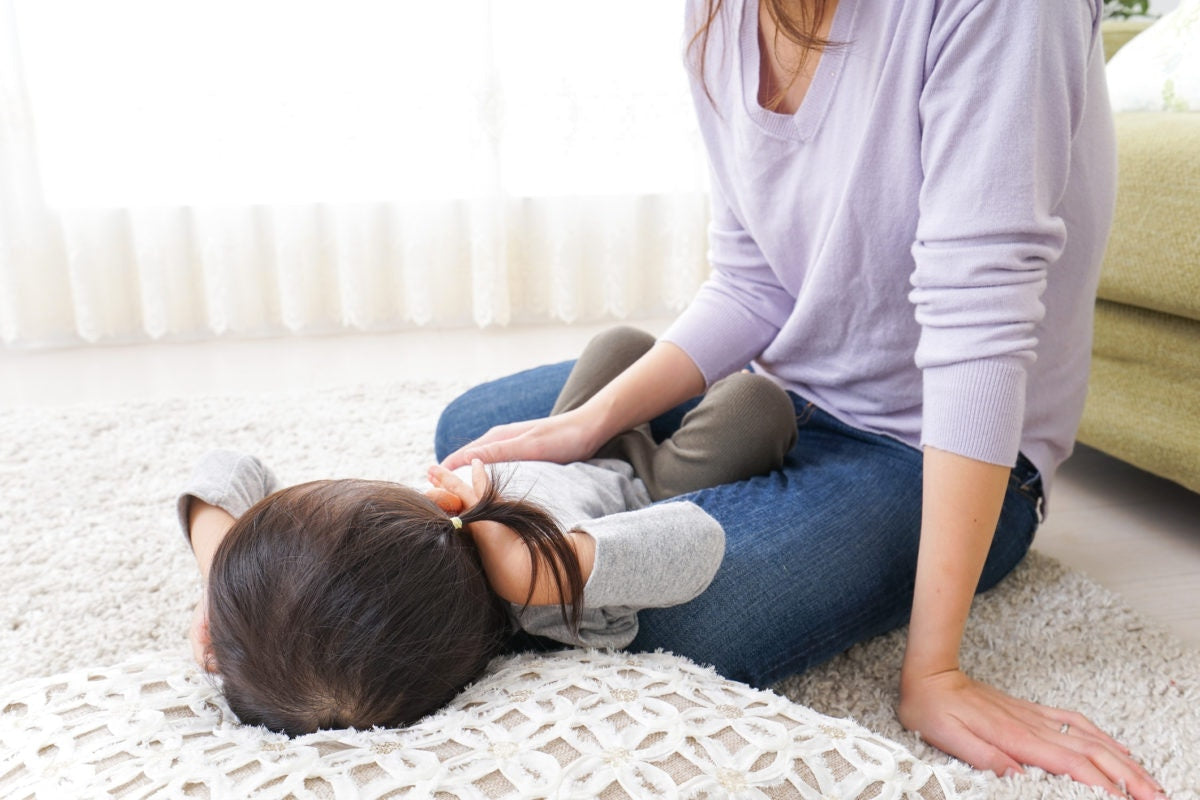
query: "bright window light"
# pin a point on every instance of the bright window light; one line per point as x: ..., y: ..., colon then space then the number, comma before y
x: 181, y: 102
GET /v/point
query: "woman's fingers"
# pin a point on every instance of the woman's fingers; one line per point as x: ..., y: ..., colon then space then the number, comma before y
x: 1067, y: 743
x: 1079, y: 724
x: 479, y: 478
x: 489, y: 447
x: 563, y: 438
x: 1088, y: 760
x: 1082, y: 743
x: 1055, y: 718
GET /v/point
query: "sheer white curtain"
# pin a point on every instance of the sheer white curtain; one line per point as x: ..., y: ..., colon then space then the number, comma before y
x: 179, y: 169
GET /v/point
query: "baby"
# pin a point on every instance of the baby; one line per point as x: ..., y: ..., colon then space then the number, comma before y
x: 354, y: 603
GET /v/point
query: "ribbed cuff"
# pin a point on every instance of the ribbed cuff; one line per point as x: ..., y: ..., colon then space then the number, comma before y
x: 975, y: 409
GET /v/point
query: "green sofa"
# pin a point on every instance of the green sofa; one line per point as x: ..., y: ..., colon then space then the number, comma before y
x: 1143, y: 403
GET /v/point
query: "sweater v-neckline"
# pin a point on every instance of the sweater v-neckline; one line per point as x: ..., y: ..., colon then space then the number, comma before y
x: 806, y: 121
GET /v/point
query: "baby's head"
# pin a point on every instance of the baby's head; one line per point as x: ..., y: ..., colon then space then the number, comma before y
x: 348, y: 603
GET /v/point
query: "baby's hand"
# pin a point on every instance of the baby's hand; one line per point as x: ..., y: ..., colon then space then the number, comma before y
x: 451, y: 493
x: 445, y: 500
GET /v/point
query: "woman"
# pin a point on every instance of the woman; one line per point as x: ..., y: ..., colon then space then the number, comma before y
x: 910, y: 205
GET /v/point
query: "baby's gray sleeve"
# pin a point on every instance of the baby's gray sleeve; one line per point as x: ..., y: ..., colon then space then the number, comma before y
x: 227, y: 479
x: 652, y: 557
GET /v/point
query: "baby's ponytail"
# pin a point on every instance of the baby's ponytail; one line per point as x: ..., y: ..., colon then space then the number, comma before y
x: 547, y: 544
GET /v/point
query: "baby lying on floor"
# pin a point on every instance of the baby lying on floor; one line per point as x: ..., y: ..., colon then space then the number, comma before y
x: 355, y: 603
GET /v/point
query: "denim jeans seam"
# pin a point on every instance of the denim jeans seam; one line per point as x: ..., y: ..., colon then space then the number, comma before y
x: 806, y: 414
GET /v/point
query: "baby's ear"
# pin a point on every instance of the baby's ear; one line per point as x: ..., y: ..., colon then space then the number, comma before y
x: 446, y: 501
x: 209, y: 664
x: 208, y: 659
x: 201, y: 640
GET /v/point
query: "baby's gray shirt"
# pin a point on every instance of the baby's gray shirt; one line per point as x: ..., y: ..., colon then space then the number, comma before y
x: 647, y: 556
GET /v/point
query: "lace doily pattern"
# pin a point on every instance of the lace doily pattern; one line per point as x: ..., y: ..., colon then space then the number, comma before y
x: 574, y: 725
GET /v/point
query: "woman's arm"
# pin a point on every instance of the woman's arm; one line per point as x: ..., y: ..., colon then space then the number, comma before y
x: 961, y: 507
x: 998, y: 158
x: 658, y: 381
x: 982, y: 725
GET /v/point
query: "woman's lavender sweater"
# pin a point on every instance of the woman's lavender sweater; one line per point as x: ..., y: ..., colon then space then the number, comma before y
x: 917, y: 249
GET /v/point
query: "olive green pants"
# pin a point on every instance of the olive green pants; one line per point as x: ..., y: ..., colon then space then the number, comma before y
x: 743, y: 425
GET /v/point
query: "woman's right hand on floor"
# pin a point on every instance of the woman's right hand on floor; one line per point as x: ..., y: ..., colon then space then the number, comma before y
x: 563, y: 438
x: 992, y: 730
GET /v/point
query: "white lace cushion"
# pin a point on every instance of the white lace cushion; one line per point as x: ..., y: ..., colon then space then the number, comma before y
x: 1159, y: 69
x: 581, y: 724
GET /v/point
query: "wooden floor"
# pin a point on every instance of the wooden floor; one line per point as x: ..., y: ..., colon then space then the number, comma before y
x: 1132, y: 532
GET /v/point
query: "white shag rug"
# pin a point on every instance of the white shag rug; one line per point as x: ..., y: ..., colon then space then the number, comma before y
x: 98, y: 585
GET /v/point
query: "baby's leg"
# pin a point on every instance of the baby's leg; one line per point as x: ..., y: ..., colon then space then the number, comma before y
x: 606, y: 356
x: 744, y: 426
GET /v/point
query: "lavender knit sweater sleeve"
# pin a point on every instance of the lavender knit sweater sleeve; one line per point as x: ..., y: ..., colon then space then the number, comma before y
x: 917, y: 248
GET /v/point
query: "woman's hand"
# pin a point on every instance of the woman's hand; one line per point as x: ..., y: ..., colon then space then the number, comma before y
x: 563, y: 438
x: 991, y: 730
x: 661, y: 379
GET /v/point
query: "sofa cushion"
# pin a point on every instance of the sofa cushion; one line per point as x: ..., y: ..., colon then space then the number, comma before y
x: 1153, y: 256
x: 1159, y: 70
x: 1143, y: 403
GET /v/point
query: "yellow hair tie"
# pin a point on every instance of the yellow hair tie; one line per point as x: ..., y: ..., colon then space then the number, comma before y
x: 457, y: 523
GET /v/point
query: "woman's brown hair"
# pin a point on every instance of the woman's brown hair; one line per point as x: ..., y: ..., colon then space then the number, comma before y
x: 355, y: 603
x: 796, y: 21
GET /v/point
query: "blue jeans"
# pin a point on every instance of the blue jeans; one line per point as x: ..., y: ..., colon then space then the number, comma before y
x: 819, y: 555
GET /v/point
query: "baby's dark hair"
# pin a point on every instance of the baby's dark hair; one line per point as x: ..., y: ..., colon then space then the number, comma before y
x: 352, y: 603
